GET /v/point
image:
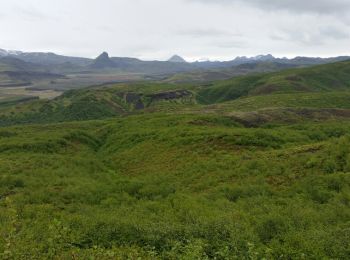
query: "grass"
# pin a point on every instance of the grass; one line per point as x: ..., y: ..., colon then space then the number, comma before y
x: 161, y: 186
x: 97, y: 103
x: 324, y: 86
x: 330, y: 77
x: 330, y: 99
x: 89, y: 176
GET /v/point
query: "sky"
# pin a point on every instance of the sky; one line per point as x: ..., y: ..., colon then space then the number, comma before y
x: 194, y: 29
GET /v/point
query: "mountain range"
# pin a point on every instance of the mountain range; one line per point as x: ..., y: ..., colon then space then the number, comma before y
x: 60, y: 64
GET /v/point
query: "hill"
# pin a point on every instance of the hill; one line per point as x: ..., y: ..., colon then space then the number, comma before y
x: 230, y: 169
x: 9, y: 63
x: 15, y: 72
x: 323, y: 86
x: 328, y: 77
x: 162, y: 186
x: 99, y: 102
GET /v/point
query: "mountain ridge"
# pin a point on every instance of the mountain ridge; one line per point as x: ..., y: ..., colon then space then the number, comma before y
x: 53, y: 58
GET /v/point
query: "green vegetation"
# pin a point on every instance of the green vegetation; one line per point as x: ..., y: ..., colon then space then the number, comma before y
x: 330, y: 77
x: 143, y: 171
x: 169, y: 186
x: 98, y: 103
x: 332, y: 99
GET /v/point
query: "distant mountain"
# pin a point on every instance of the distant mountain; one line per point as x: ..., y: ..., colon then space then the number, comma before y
x: 3, y: 53
x: 177, y: 58
x: 16, y: 72
x: 103, y: 61
x: 51, y: 58
x: 297, y: 61
x: 312, y: 60
x: 64, y: 64
x: 213, y: 74
x: 245, y: 59
x: 10, y: 63
x: 44, y: 58
x: 9, y: 52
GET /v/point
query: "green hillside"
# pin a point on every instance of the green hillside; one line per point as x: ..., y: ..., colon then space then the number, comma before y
x: 98, y: 103
x: 161, y: 186
x: 330, y: 77
x: 153, y: 170
x: 324, y: 86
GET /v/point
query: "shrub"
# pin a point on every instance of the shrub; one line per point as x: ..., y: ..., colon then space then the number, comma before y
x: 272, y: 227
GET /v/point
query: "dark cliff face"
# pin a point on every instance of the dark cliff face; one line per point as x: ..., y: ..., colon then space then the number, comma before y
x: 169, y: 95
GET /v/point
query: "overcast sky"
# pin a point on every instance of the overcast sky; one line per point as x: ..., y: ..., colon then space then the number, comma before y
x: 194, y: 29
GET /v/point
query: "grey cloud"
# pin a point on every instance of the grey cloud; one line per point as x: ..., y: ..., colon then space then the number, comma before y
x: 232, y: 45
x: 106, y: 28
x: 312, y: 37
x: 147, y: 29
x: 334, y: 33
x: 207, y: 33
x: 298, y: 37
x: 30, y: 13
x: 277, y: 37
x: 305, y: 6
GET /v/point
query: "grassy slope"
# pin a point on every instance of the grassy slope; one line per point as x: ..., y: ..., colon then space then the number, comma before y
x: 92, y: 103
x: 334, y: 99
x: 322, y: 86
x: 328, y: 77
x: 190, y: 183
x: 170, y: 186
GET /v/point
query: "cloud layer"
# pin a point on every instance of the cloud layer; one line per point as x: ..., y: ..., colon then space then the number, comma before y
x: 196, y: 29
x: 309, y: 6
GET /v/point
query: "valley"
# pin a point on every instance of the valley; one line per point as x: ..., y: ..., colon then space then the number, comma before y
x: 47, y: 75
x: 175, y: 130
x: 251, y: 167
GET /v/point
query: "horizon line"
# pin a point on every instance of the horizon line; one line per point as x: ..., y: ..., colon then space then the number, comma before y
x: 187, y: 59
